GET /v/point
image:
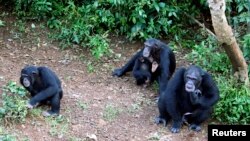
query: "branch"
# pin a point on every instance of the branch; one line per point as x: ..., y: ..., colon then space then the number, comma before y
x: 200, y: 24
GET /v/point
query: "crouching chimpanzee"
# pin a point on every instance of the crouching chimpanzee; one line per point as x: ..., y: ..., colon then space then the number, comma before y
x: 189, y: 97
x: 142, y: 71
x: 159, y: 59
x: 44, y: 87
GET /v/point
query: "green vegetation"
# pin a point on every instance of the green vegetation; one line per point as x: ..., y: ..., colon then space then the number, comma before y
x: 234, y: 104
x: 111, y: 112
x: 82, y: 105
x: 4, y: 136
x: 58, y: 126
x: 208, y: 55
x: 13, y: 108
x: 246, y: 49
x: 91, y: 23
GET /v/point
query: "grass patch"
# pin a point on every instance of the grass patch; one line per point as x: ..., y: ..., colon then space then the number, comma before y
x: 59, y: 126
x: 111, y: 112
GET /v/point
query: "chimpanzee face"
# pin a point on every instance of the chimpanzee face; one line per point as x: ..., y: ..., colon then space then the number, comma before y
x: 146, y: 51
x: 26, y: 81
x: 192, y: 78
x: 149, y: 46
x: 28, y: 76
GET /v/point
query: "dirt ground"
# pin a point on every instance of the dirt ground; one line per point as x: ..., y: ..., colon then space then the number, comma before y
x: 95, y: 104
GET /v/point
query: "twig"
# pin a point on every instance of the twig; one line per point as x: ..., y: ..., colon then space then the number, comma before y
x: 200, y: 24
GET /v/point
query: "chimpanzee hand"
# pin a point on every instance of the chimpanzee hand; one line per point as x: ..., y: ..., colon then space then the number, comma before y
x: 30, y: 106
x: 195, y: 96
x: 49, y: 113
x: 117, y: 72
x: 198, y: 93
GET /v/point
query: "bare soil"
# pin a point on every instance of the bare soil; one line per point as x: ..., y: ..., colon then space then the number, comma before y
x: 90, y: 95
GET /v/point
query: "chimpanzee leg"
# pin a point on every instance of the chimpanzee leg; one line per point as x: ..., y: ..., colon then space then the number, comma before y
x: 198, y: 117
x: 163, y: 117
x: 128, y: 66
x: 55, y: 106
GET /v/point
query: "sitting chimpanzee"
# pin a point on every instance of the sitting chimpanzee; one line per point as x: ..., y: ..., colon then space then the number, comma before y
x: 162, y: 63
x: 189, y: 97
x: 44, y: 87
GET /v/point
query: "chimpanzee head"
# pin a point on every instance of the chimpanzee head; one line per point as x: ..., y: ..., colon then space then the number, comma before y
x: 151, y: 48
x: 28, y: 76
x: 193, y: 78
x: 143, y: 75
x: 142, y: 79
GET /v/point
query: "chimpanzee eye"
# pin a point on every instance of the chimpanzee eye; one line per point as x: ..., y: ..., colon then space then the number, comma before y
x: 191, y: 78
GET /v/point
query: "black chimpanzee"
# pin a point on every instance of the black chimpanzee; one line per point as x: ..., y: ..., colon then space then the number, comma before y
x: 190, y: 96
x: 142, y: 71
x: 44, y: 87
x: 162, y: 62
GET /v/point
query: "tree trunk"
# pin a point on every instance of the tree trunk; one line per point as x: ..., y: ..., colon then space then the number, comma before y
x: 225, y: 36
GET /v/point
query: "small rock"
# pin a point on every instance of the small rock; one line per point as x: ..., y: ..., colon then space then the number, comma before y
x: 91, y: 137
x: 102, y: 122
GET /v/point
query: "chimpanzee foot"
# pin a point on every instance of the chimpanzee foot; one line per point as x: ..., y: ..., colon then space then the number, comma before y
x: 117, y: 72
x: 195, y: 127
x: 175, y: 129
x: 49, y: 113
x: 159, y: 120
x: 157, y: 99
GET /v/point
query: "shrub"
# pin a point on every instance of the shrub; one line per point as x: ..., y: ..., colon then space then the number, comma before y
x: 234, y: 104
x: 246, y: 49
x: 13, y: 108
x: 207, y: 55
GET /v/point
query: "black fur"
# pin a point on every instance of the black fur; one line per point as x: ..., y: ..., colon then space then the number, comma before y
x: 162, y: 54
x: 176, y: 104
x: 142, y: 71
x: 45, y: 87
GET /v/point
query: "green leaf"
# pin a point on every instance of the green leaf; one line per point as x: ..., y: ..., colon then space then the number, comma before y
x: 2, y: 23
x: 162, y: 4
x: 156, y: 6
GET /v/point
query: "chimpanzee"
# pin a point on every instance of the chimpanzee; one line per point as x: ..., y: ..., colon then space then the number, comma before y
x: 162, y: 62
x: 142, y: 71
x: 44, y: 87
x: 189, y: 96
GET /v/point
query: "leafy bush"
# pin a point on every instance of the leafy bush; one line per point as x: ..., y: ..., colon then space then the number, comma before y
x: 13, y: 107
x: 206, y: 55
x: 234, y: 104
x: 79, y: 21
x: 81, y: 27
x: 7, y: 137
x: 246, y: 49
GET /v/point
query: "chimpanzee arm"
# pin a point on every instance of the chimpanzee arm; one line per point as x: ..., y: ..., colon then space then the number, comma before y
x: 173, y: 91
x: 51, y: 86
x: 165, y: 72
x: 128, y: 66
x: 210, y: 92
x: 137, y: 65
x: 172, y: 62
x: 173, y: 98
